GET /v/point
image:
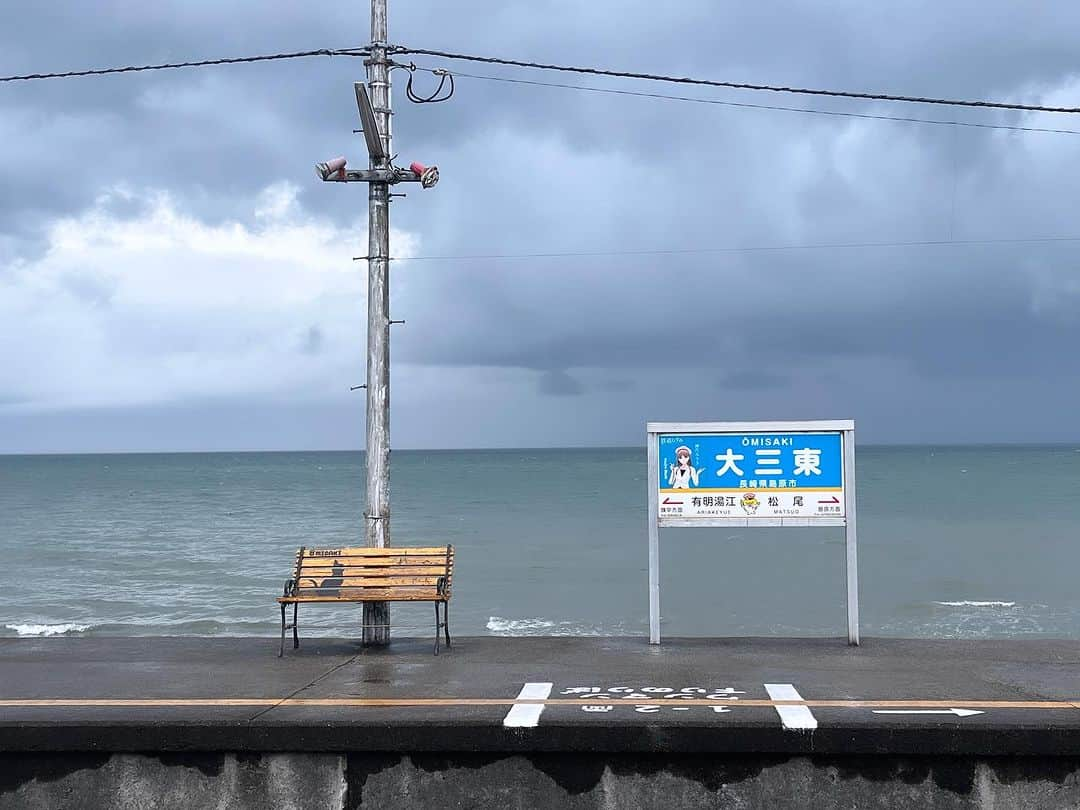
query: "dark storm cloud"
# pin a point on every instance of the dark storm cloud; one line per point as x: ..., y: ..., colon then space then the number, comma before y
x: 617, y: 386
x: 559, y: 384
x: 537, y: 170
x: 752, y: 380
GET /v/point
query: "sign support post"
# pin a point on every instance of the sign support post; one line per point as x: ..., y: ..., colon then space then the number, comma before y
x: 850, y: 546
x: 751, y: 474
x: 654, y: 542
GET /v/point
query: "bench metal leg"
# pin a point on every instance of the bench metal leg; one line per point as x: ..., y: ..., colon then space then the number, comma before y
x: 281, y: 651
x: 436, y: 628
x: 442, y: 627
x: 295, y: 636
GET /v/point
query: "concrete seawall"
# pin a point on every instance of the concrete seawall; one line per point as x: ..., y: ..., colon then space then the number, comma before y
x: 538, y: 723
x: 586, y: 781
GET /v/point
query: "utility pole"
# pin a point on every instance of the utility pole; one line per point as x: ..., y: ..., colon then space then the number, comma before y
x: 377, y: 515
x: 373, y: 104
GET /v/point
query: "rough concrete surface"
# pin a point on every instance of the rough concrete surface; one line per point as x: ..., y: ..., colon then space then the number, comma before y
x: 534, y: 782
x: 601, y: 782
x: 192, y: 780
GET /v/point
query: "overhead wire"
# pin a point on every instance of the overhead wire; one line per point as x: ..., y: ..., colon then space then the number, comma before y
x: 595, y: 71
x: 229, y: 60
x: 623, y: 74
x: 735, y: 249
x: 747, y: 105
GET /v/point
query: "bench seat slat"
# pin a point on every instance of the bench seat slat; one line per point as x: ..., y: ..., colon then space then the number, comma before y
x: 372, y: 552
x: 387, y: 592
x: 375, y: 571
x: 367, y: 582
x: 371, y: 595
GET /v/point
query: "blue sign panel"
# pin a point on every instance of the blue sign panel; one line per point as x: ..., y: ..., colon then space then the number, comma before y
x: 751, y: 474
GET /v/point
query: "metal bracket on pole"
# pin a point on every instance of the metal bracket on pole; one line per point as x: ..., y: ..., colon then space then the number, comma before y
x: 390, y: 176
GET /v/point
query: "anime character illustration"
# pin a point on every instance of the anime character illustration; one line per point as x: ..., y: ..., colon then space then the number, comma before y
x: 750, y: 503
x: 683, y: 474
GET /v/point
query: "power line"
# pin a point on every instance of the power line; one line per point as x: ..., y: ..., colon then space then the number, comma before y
x: 597, y: 72
x: 747, y: 249
x: 231, y: 60
x: 807, y: 110
x: 494, y: 60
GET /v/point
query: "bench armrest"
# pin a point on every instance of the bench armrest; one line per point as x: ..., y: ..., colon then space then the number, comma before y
x: 440, y: 586
x: 290, y: 588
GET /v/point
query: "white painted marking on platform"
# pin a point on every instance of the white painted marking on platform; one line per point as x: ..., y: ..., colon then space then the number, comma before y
x: 957, y: 712
x: 793, y: 717
x: 527, y: 715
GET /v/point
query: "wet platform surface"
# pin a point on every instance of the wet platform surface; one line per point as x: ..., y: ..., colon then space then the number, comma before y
x: 542, y: 694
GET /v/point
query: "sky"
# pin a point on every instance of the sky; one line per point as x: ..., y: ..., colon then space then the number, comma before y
x: 174, y: 277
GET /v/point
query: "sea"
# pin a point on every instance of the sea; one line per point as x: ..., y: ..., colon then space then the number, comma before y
x: 953, y: 542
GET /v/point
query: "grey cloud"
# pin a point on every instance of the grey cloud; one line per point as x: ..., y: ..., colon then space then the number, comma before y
x: 311, y: 341
x: 537, y: 170
x: 95, y: 292
x: 913, y: 306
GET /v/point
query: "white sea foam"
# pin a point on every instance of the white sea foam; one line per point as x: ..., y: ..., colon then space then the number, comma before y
x: 499, y: 626
x: 511, y: 627
x: 972, y: 603
x: 47, y: 629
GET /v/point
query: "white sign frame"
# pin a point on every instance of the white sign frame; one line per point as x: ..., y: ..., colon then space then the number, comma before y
x: 846, y: 427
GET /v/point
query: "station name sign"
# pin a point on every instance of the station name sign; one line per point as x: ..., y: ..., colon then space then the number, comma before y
x: 751, y: 473
x: 748, y: 474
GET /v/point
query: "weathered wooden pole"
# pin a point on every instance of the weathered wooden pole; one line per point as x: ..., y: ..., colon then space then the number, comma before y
x: 377, y: 515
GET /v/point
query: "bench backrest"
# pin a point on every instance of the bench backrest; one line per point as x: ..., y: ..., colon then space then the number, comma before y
x: 371, y: 573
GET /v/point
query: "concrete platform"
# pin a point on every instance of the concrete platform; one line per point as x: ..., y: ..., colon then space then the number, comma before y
x: 527, y: 695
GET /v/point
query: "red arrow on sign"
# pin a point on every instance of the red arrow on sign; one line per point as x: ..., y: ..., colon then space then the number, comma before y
x: 669, y: 502
x: 833, y: 499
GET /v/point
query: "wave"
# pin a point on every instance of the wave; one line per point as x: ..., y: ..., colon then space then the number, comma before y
x: 499, y: 626
x: 144, y: 627
x: 985, y: 618
x: 47, y: 629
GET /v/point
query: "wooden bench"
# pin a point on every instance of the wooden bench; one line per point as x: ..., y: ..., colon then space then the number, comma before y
x: 336, y: 575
